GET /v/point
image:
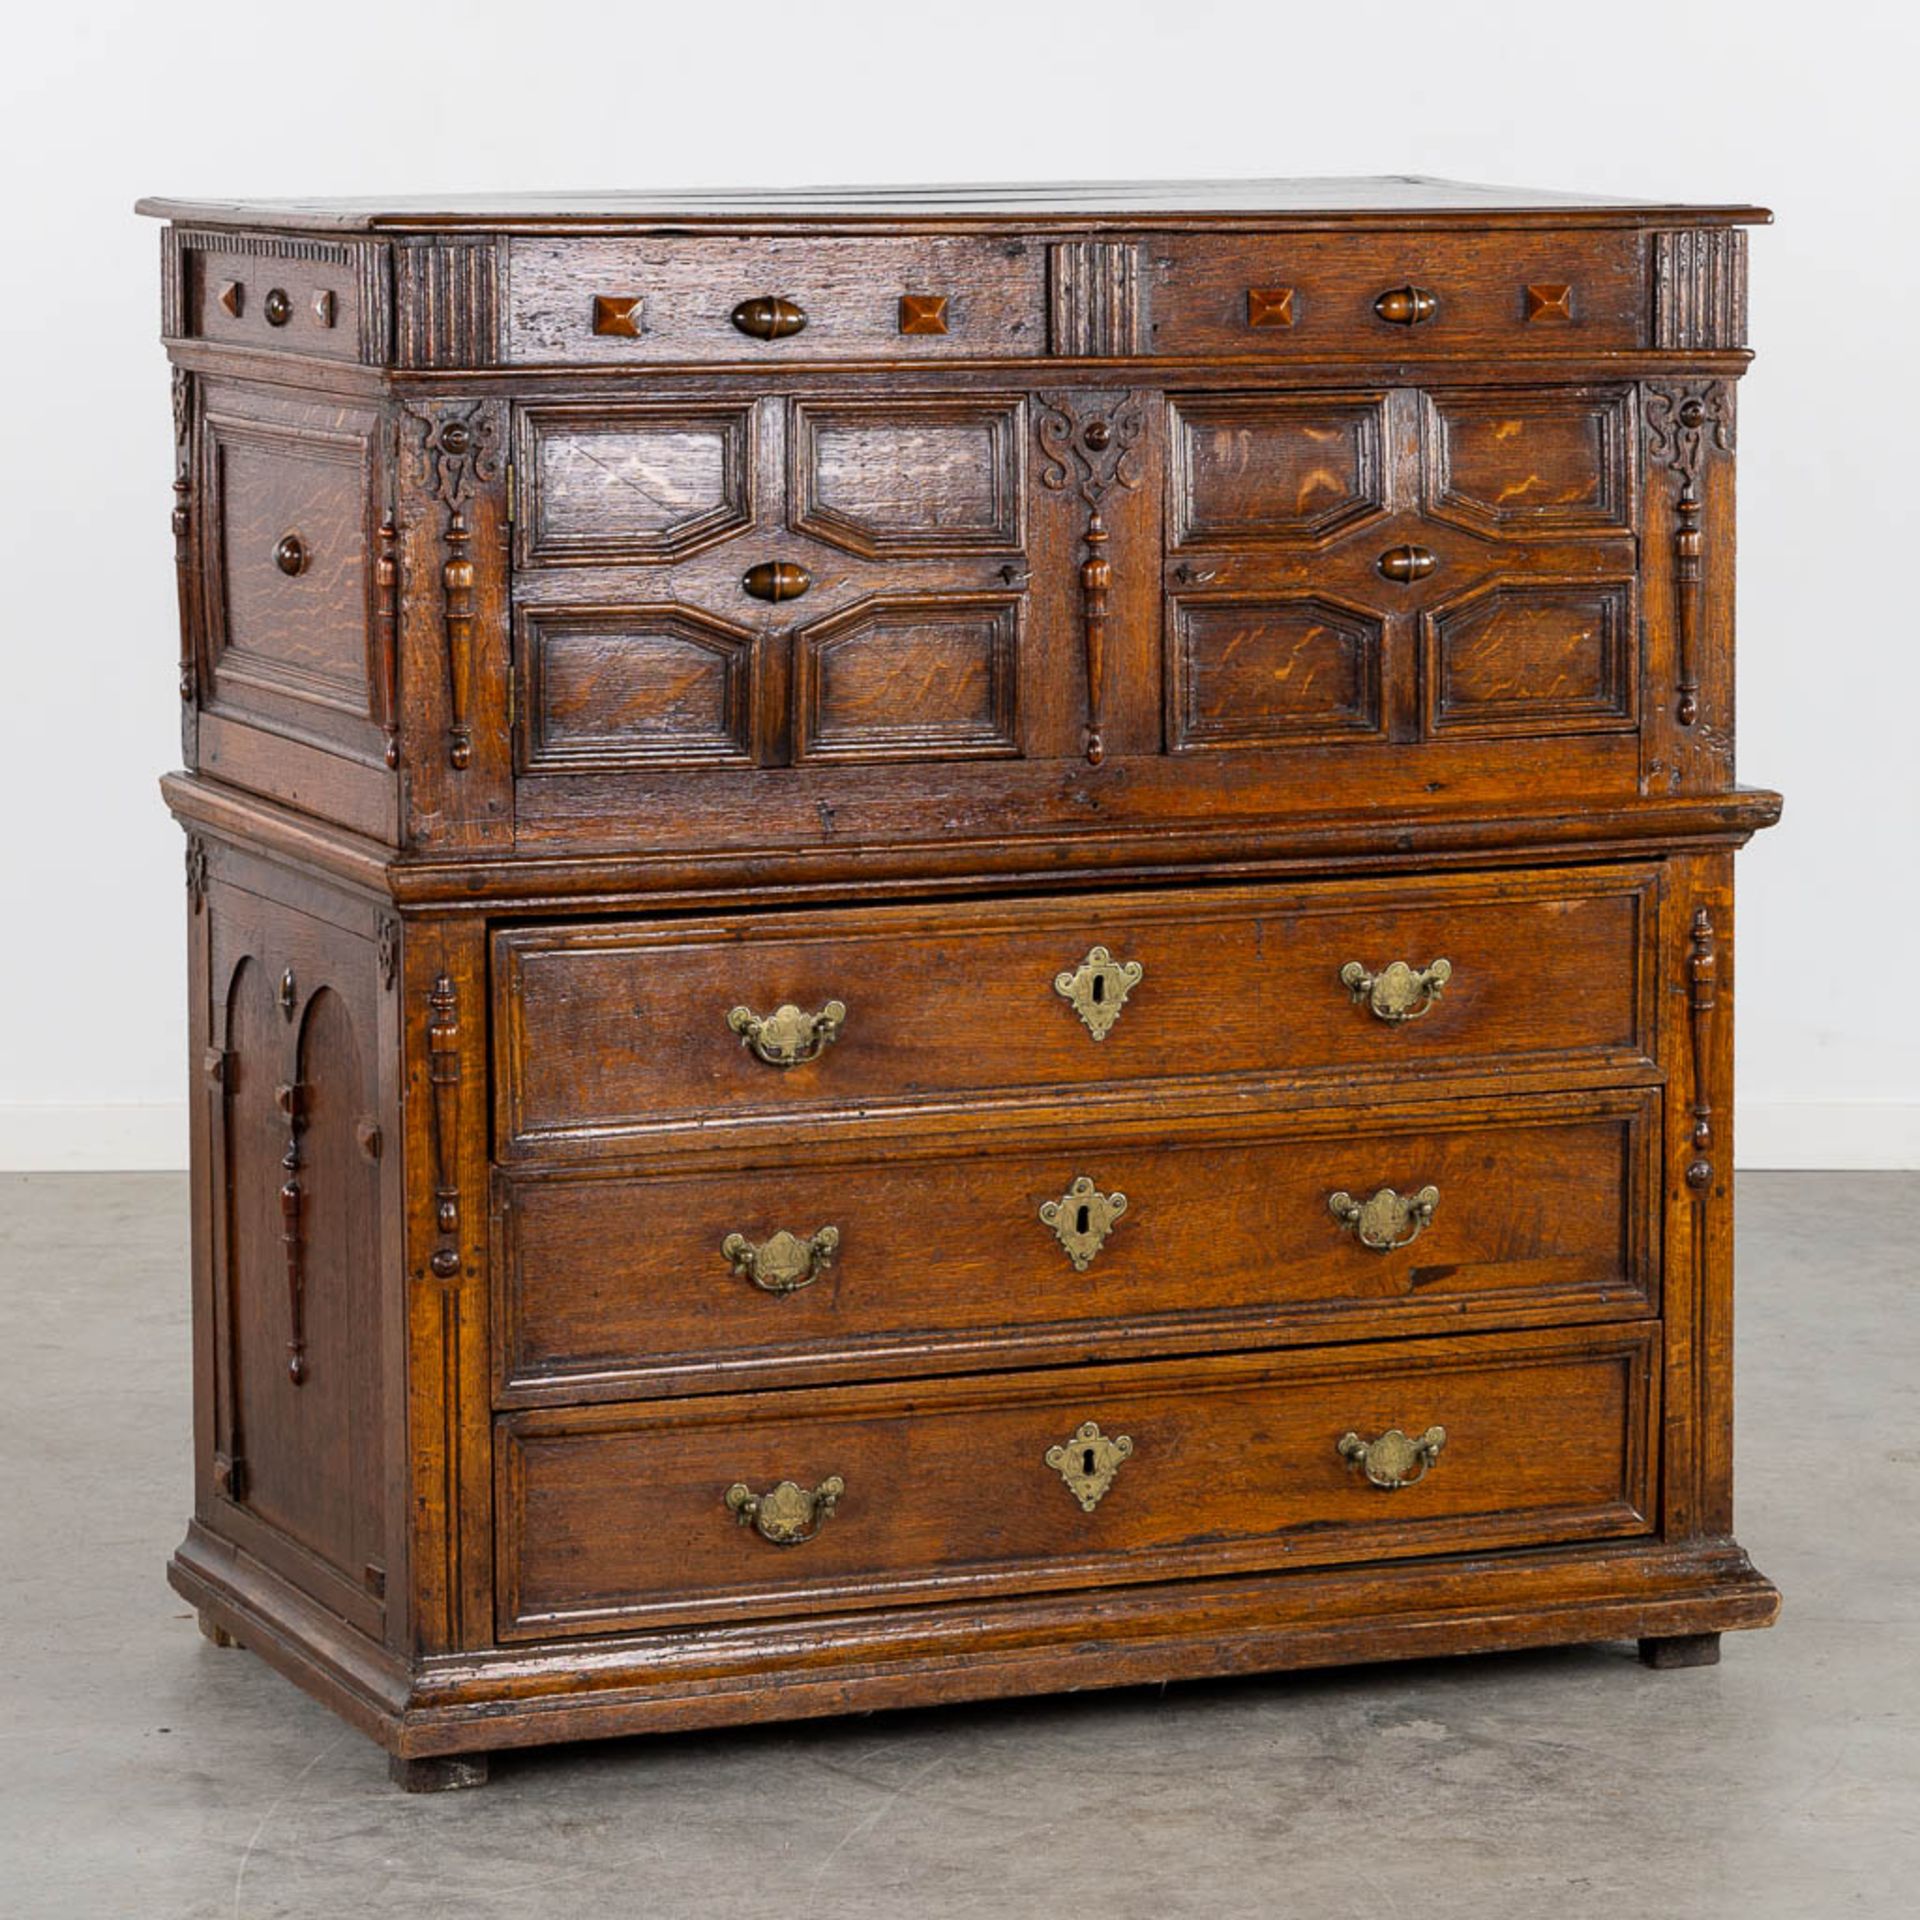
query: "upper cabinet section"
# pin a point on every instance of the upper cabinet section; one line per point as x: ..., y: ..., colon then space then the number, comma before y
x: 1390, y: 277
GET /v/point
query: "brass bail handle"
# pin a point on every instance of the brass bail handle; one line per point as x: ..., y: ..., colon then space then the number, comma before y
x: 783, y: 1264
x: 788, y: 1515
x: 787, y: 1037
x: 1395, y: 1459
x: 1397, y: 993
x: 1389, y: 1220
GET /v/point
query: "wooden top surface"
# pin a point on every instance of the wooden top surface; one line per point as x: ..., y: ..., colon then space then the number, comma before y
x: 1384, y: 199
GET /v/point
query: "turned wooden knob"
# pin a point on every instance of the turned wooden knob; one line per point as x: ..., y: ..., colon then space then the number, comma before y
x: 1406, y: 306
x: 1406, y: 564
x: 769, y: 317
x: 776, y: 580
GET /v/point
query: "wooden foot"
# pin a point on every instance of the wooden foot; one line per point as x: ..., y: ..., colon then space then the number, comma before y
x: 438, y: 1773
x: 1682, y: 1650
x: 218, y: 1634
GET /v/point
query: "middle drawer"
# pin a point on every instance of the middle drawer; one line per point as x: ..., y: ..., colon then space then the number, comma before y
x: 611, y: 1033
x: 1059, y: 1243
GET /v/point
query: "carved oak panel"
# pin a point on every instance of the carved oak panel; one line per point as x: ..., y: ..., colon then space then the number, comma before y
x: 612, y: 688
x: 631, y: 483
x: 910, y: 678
x: 286, y: 579
x: 1271, y: 671
x: 901, y: 476
x: 1545, y: 461
x: 1533, y: 657
x: 1250, y: 469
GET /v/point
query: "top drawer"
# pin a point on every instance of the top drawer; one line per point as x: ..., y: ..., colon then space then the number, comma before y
x: 1401, y: 295
x: 609, y: 1032
x: 627, y: 302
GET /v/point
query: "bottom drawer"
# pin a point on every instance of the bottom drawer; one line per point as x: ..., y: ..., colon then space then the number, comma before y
x: 792, y: 1503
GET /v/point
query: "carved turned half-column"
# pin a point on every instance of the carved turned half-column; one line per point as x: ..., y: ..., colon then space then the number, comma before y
x: 292, y: 1101
x: 443, y: 1072
x: 183, y: 551
x: 1087, y: 453
x: 462, y: 456
x: 1682, y: 417
x: 1703, y: 964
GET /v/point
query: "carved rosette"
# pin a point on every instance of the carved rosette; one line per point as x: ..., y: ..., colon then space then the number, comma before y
x: 1088, y: 442
x: 1683, y: 419
x: 462, y: 455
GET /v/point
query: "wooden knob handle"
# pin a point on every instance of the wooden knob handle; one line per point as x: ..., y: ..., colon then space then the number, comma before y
x: 1407, y: 564
x: 776, y: 580
x: 291, y: 555
x: 1406, y: 306
x: 769, y: 317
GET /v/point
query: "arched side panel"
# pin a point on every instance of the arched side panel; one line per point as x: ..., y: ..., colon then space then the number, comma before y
x: 296, y: 1329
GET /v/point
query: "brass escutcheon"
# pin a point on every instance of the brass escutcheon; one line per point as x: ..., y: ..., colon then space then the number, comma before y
x: 1388, y: 1220
x: 783, y: 1264
x: 1098, y: 987
x: 1397, y: 993
x: 1089, y: 1461
x: 787, y: 1037
x: 789, y: 1514
x: 1394, y: 1460
x: 1082, y: 1218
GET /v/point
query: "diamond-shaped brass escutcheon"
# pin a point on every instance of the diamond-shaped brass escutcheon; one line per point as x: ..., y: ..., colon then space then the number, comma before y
x: 1082, y: 1218
x: 1098, y: 987
x: 1089, y: 1461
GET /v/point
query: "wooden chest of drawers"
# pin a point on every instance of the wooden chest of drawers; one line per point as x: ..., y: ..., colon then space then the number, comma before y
x: 946, y: 944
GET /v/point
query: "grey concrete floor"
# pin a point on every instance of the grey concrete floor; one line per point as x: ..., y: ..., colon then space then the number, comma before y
x: 143, y: 1773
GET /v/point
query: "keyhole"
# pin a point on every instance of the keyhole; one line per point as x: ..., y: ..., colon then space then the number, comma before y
x: 1082, y: 1221
x: 1086, y: 1461
x: 1099, y: 988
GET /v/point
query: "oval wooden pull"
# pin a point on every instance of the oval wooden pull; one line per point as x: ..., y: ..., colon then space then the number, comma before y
x: 1406, y: 306
x: 776, y: 580
x: 769, y: 317
x: 1407, y: 564
x: 291, y: 555
x: 277, y: 307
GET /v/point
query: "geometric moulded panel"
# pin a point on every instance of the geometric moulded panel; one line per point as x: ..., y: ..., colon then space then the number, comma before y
x: 1527, y: 461
x: 1251, y: 470
x: 910, y: 678
x: 891, y: 477
x: 641, y: 484
x: 1271, y: 671
x: 1532, y: 657
x: 612, y: 689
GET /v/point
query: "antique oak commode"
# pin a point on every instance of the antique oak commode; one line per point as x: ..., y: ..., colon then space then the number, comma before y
x: 949, y: 943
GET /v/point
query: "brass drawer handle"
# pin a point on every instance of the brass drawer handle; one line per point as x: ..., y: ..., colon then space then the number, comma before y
x: 769, y: 317
x: 783, y: 1264
x: 1089, y: 1461
x: 1098, y: 987
x: 1394, y: 1460
x: 789, y: 1514
x: 1397, y: 993
x: 776, y: 580
x: 1389, y: 1220
x: 787, y: 1037
x: 1081, y: 1219
x: 1407, y: 564
x: 290, y: 555
x: 1406, y: 306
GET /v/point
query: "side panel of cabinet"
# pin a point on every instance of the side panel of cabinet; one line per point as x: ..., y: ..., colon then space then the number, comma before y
x: 298, y: 1328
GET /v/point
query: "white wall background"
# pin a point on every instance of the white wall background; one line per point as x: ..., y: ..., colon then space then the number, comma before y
x: 1807, y: 110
